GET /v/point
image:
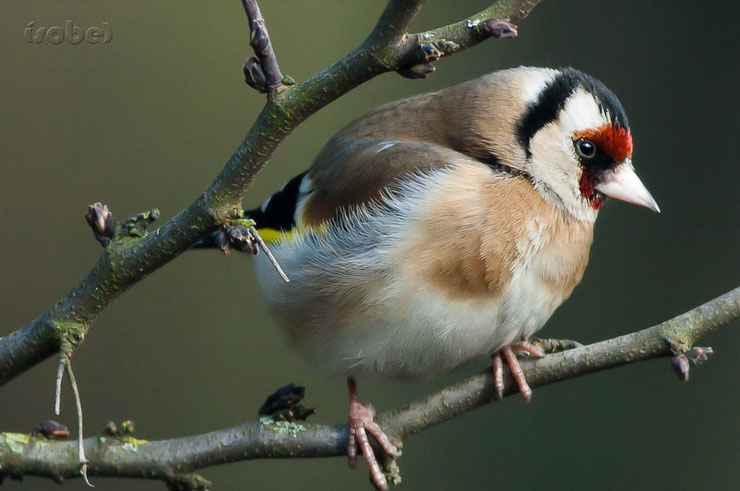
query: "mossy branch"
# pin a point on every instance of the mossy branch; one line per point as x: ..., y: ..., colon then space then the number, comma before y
x: 174, y: 460
x: 130, y: 259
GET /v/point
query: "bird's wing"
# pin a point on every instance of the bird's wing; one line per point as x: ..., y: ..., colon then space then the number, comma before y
x: 347, y: 173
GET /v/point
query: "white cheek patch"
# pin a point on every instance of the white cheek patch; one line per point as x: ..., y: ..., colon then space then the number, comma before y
x: 582, y: 112
x: 532, y: 86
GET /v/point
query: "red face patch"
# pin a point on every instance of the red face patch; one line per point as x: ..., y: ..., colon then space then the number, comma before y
x: 587, y: 185
x: 616, y: 142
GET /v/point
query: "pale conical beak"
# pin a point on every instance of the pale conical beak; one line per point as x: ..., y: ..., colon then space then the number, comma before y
x: 623, y: 184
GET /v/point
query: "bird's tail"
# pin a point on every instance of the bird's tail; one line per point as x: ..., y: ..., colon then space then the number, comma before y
x: 274, y: 218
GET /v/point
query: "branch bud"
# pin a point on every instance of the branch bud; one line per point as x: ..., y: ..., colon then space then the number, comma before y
x: 499, y: 28
x: 254, y: 76
x: 680, y: 365
x: 100, y: 219
x: 699, y: 354
x: 51, y: 430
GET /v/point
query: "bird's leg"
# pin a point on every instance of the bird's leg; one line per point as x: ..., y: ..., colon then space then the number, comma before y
x: 360, y: 424
x: 510, y: 352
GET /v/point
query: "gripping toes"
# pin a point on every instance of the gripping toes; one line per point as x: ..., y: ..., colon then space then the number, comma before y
x: 360, y: 424
x: 510, y: 353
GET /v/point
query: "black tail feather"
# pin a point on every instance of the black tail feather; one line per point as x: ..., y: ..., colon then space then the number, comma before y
x: 277, y: 213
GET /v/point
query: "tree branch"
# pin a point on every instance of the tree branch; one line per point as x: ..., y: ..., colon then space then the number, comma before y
x: 394, y: 22
x: 127, y: 260
x: 169, y: 460
x: 260, y: 41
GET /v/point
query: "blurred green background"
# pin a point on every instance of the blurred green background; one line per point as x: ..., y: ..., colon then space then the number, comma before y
x: 148, y: 119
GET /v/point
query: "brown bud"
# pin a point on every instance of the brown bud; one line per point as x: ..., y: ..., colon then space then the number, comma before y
x: 111, y: 429
x: 699, y: 354
x: 429, y: 52
x: 127, y: 427
x: 222, y: 242
x: 254, y: 76
x: 242, y: 240
x: 283, y: 398
x: 51, y: 429
x: 422, y: 70
x: 499, y: 28
x: 259, y: 39
x: 417, y: 63
x: 101, y: 222
x: 680, y: 365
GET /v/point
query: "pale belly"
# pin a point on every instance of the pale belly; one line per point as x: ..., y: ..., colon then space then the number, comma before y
x: 373, y: 293
x: 384, y: 323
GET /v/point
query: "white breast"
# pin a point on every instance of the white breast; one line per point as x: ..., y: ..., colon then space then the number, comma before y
x: 352, y: 305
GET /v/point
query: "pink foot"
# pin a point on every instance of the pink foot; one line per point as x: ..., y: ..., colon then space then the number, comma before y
x: 360, y: 424
x: 510, y: 352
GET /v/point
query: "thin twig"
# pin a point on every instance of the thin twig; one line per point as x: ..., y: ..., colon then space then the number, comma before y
x: 257, y: 440
x: 58, y: 386
x: 395, y: 20
x: 260, y: 41
x: 269, y: 255
x: 81, y: 459
x: 120, y: 268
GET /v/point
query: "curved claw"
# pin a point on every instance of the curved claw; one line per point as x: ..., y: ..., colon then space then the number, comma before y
x: 360, y: 424
x: 518, y: 373
x: 510, y: 352
x: 527, y: 349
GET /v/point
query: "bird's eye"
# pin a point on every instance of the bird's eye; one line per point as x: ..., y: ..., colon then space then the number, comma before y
x: 585, y: 148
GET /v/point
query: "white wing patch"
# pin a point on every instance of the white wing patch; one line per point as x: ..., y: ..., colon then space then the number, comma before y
x: 385, y: 145
x: 306, y: 188
x: 264, y: 205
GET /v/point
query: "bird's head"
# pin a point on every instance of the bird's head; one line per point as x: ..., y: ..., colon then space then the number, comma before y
x: 577, y: 142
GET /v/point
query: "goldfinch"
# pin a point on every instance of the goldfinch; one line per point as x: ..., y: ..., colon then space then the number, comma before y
x: 443, y: 227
